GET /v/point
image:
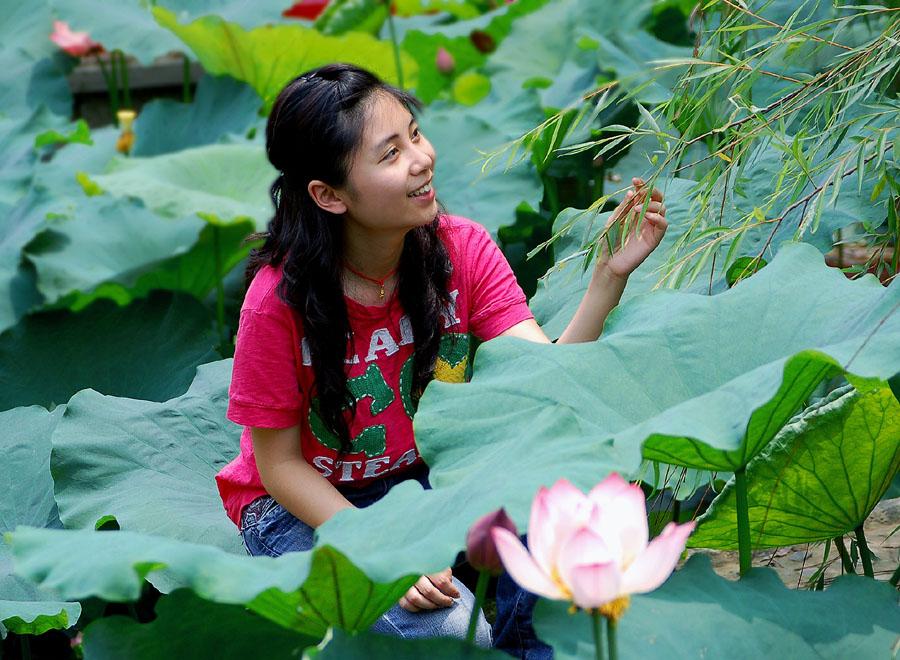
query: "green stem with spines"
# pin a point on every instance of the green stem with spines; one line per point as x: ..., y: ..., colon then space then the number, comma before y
x: 123, y: 74
x: 611, y: 643
x: 864, y: 554
x: 390, y: 20
x: 480, y: 590
x: 743, y: 519
x: 186, y: 85
x: 842, y: 552
x: 26, y: 647
x: 598, y: 642
x: 112, y: 90
x: 895, y: 578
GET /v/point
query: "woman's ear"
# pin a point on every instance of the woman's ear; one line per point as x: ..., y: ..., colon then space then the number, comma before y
x: 327, y: 197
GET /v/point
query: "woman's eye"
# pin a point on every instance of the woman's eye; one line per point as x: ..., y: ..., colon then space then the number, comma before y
x: 390, y: 154
x: 415, y: 133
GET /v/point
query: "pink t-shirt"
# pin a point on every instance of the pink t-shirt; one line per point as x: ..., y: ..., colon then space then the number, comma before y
x: 272, y: 378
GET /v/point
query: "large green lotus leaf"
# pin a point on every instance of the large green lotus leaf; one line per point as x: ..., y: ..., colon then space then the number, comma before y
x: 18, y: 288
x: 700, y: 381
x: 560, y: 292
x: 528, y: 441
x: 126, y: 25
x: 19, y: 157
x: 27, y: 82
x: 368, y: 646
x: 221, y: 105
x: 304, y: 591
x: 189, y: 627
x: 223, y: 181
x: 150, y: 465
x: 697, y: 614
x: 28, y: 500
x: 58, y: 175
x: 268, y: 57
x: 94, y: 242
x: 148, y: 350
x: 490, y: 199
x: 27, y: 27
x: 820, y: 478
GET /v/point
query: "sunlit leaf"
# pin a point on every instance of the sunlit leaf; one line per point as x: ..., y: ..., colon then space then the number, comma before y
x: 819, y: 479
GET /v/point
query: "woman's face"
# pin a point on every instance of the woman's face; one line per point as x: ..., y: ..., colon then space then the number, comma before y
x: 394, y: 162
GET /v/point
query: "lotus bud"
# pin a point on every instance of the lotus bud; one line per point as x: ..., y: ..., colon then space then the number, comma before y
x: 444, y: 61
x: 480, y: 549
x: 126, y: 137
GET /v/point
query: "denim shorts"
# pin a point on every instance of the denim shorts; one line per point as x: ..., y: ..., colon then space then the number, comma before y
x: 269, y: 529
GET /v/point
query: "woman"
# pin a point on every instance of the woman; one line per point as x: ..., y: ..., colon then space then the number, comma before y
x: 362, y: 293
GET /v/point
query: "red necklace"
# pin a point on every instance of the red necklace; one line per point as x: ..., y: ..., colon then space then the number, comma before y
x: 373, y: 279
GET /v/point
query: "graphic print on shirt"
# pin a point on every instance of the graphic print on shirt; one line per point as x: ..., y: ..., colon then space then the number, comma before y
x: 453, y: 354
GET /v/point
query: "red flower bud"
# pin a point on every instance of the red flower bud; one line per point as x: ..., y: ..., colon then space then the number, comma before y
x: 483, y: 41
x: 444, y: 61
x: 480, y: 549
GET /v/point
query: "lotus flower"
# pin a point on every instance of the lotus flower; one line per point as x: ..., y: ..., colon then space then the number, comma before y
x: 74, y: 43
x: 444, y: 61
x: 591, y: 549
x: 480, y: 548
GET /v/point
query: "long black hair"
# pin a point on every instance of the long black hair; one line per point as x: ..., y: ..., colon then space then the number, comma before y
x: 313, y: 132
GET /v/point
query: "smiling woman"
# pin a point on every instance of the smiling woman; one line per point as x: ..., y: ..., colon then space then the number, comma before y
x: 363, y: 292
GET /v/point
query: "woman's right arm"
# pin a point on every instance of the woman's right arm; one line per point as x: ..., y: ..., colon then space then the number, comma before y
x: 291, y: 480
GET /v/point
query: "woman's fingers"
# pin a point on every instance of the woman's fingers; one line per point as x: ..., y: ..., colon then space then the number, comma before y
x: 430, y: 592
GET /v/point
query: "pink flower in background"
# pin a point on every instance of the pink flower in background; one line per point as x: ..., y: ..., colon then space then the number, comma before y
x: 481, y: 551
x: 593, y: 549
x: 444, y: 61
x: 74, y: 43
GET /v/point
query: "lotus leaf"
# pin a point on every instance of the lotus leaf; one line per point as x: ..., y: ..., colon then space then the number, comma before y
x: 268, y: 57
x: 221, y: 182
x: 189, y: 627
x: 698, y: 614
x: 819, y: 479
x: 306, y: 591
x: 221, y: 105
x: 149, y: 465
x: 25, y: 475
x: 148, y: 349
x: 18, y: 225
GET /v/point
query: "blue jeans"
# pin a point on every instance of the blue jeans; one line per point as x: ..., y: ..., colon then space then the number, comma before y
x: 513, y: 632
x: 269, y: 529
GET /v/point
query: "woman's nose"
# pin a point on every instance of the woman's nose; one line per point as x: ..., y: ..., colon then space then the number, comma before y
x: 423, y: 159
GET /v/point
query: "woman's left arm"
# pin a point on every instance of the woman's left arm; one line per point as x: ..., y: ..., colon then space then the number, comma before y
x: 611, y: 271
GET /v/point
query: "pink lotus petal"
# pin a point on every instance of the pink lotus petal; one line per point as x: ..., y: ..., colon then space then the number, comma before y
x: 608, y: 489
x: 594, y: 585
x: 623, y: 518
x: 522, y: 568
x: 656, y: 563
x: 583, y: 547
x: 542, y: 530
x: 74, y: 43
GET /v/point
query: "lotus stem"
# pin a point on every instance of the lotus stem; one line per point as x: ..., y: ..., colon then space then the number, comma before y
x: 123, y: 73
x: 864, y: 554
x: 598, y: 645
x: 611, y: 639
x: 26, y: 647
x: 895, y: 578
x: 845, y: 558
x: 480, y: 590
x: 220, y: 287
x: 111, y: 90
x: 552, y: 191
x: 186, y: 86
x: 390, y: 20
x: 743, y: 519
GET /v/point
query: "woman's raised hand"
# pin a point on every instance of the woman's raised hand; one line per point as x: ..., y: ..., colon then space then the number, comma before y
x: 430, y: 592
x: 644, y: 234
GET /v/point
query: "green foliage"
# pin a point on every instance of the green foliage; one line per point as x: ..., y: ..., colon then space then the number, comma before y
x: 148, y: 349
x: 188, y: 626
x: 699, y: 614
x: 821, y: 476
x: 24, y: 608
x: 368, y: 646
